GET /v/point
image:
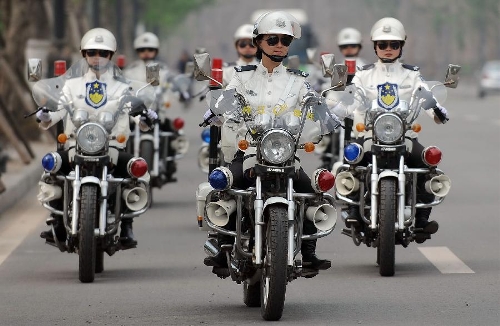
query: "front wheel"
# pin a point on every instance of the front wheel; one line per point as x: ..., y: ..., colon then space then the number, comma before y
x: 274, y: 273
x: 387, y: 220
x: 86, y: 237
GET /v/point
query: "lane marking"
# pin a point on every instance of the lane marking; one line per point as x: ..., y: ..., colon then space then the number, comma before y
x: 445, y: 260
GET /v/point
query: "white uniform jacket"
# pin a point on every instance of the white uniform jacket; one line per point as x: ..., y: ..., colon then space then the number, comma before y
x: 93, y: 95
x: 228, y: 70
x: 279, y: 92
x: 371, y: 78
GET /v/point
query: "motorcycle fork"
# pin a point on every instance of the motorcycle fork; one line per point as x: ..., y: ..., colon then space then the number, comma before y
x: 374, y: 194
x: 258, y: 207
x: 76, y: 202
x: 156, y: 150
x: 401, y: 194
x: 291, y: 225
x: 104, y: 202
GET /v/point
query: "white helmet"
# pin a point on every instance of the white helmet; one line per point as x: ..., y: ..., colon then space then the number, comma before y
x: 147, y: 40
x: 349, y: 35
x: 244, y: 31
x: 388, y: 29
x: 277, y: 22
x: 98, y: 39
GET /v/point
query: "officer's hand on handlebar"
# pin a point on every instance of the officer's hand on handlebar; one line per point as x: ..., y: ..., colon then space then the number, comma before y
x: 43, y: 115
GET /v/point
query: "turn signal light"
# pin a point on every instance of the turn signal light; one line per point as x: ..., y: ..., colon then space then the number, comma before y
x: 416, y: 127
x: 243, y: 144
x: 309, y: 147
x: 360, y: 127
x: 167, y: 104
x: 62, y: 138
x: 121, y: 138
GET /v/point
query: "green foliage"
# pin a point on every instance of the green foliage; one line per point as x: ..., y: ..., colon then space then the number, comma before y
x: 168, y: 14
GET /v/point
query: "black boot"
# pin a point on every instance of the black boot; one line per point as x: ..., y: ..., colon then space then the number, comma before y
x: 354, y: 219
x: 422, y: 221
x: 309, y: 258
x: 59, y: 229
x: 126, y: 234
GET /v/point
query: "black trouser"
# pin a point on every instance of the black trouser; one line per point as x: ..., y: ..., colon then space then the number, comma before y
x: 241, y: 180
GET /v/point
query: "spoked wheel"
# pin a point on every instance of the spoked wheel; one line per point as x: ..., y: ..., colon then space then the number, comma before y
x: 87, y: 240
x: 274, y: 273
x: 251, y: 294
x: 387, y: 219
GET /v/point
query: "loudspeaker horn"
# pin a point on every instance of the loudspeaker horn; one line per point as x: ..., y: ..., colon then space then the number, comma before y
x: 324, y: 216
x: 346, y: 183
x: 218, y: 212
x: 439, y: 185
x: 135, y: 198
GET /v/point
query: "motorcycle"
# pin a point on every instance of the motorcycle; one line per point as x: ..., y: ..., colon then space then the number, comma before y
x: 164, y: 144
x: 94, y: 202
x: 270, y: 215
x: 385, y: 191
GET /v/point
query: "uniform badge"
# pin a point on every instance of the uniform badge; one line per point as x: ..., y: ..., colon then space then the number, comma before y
x: 96, y: 95
x: 388, y: 97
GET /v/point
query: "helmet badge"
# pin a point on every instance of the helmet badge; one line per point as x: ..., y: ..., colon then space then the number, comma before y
x: 280, y: 23
x: 386, y: 29
x: 99, y: 39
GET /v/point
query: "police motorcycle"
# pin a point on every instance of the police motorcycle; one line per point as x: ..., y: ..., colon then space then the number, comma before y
x: 269, y: 216
x: 385, y: 191
x: 94, y: 201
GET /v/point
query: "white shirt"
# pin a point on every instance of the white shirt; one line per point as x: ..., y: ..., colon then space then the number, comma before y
x: 406, y: 77
x: 228, y: 71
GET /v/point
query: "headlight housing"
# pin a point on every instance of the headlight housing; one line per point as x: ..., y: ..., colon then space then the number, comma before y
x: 277, y: 146
x: 91, y: 138
x: 388, y: 128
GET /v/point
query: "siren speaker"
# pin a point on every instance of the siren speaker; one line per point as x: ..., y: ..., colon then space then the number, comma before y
x: 135, y: 198
x: 324, y: 216
x: 48, y: 192
x: 346, y: 183
x: 218, y: 212
x: 181, y: 144
x: 439, y: 185
x: 203, y: 158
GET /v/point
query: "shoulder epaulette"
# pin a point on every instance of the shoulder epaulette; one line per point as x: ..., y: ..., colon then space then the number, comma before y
x: 120, y: 79
x: 297, y: 72
x: 368, y: 67
x: 245, y: 68
x: 410, y: 67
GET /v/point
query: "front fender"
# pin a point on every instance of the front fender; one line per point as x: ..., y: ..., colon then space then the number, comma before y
x: 90, y: 179
x: 274, y: 200
x: 386, y: 174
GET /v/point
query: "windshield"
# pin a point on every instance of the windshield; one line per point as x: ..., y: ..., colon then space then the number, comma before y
x: 311, y: 119
x: 79, y: 89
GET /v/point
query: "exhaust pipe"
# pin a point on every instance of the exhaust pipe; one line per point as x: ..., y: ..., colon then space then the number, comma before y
x: 324, y: 216
x: 211, y: 247
x: 439, y: 185
x: 346, y: 183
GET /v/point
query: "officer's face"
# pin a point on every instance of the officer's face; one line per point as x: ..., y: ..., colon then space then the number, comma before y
x: 245, y: 47
x: 147, y: 53
x: 349, y: 50
x: 388, y: 49
x: 276, y: 44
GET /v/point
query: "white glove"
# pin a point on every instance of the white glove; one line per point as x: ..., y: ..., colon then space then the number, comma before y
x: 151, y: 115
x: 43, y: 116
x: 443, y: 112
x: 211, y: 118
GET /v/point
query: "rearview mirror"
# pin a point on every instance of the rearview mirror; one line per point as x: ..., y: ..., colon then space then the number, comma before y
x: 293, y: 62
x: 153, y: 74
x: 327, y: 63
x: 311, y: 54
x: 451, y: 79
x: 339, y: 77
x: 202, y: 66
x: 34, y: 70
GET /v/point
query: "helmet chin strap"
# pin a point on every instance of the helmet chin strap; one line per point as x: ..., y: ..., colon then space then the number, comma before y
x: 248, y: 56
x: 276, y: 58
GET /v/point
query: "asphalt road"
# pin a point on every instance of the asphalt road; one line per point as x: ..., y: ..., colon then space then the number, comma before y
x: 452, y: 279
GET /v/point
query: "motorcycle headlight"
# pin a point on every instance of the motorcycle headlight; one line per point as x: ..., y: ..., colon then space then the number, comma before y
x: 91, y: 138
x: 388, y: 128
x: 277, y: 146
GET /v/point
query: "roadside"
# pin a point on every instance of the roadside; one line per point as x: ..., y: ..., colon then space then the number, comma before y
x: 20, y: 178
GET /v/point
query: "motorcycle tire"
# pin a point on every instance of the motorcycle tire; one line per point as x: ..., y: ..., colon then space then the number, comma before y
x: 387, y: 221
x: 86, y: 238
x: 251, y: 294
x: 274, y: 273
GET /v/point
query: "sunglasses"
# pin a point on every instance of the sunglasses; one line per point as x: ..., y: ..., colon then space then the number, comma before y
x: 101, y: 53
x: 244, y: 44
x: 285, y: 40
x: 146, y: 49
x: 345, y: 46
x: 395, y: 45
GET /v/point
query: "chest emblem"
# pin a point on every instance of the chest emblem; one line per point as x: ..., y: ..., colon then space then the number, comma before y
x: 387, y: 97
x: 95, y: 94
